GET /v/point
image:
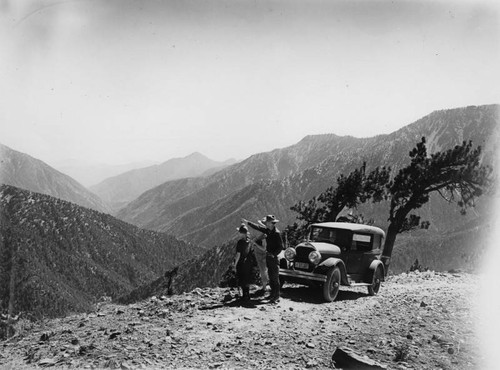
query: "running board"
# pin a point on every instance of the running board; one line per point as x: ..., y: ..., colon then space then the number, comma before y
x: 360, y: 284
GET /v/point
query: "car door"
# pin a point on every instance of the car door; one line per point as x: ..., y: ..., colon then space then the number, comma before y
x: 359, y: 254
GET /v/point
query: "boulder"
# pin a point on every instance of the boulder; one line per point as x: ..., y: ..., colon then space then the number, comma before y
x: 345, y: 358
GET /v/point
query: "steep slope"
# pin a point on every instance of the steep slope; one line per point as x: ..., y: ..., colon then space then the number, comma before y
x: 23, y: 171
x: 57, y: 257
x: 123, y: 188
x: 205, y: 211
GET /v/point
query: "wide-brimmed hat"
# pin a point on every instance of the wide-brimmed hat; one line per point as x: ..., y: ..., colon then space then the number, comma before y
x: 242, y: 229
x: 270, y: 218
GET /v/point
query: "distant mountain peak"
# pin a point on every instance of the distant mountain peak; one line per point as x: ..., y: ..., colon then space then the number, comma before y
x: 196, y: 155
x: 125, y: 187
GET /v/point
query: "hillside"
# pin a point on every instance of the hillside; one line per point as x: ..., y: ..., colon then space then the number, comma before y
x: 206, y: 210
x: 123, y: 188
x: 58, y: 257
x: 23, y: 171
x: 418, y: 321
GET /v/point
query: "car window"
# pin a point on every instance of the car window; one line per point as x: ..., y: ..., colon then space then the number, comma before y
x: 361, y: 242
x: 339, y: 237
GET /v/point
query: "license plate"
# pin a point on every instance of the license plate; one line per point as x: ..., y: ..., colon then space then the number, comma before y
x: 301, y: 265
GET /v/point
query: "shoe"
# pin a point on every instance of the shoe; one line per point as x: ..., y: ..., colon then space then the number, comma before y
x: 260, y: 292
x: 274, y: 300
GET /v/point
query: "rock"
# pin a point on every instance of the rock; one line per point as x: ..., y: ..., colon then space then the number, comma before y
x: 347, y: 359
x: 311, y: 363
x: 310, y: 345
x: 85, y: 349
x: 215, y: 365
x: 44, y: 337
x: 47, y: 362
x: 114, y: 335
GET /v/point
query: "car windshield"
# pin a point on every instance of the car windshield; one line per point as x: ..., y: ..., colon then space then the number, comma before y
x: 339, y: 237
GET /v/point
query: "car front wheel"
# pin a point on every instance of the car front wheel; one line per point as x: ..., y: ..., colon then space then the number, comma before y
x: 377, y: 278
x: 332, y: 284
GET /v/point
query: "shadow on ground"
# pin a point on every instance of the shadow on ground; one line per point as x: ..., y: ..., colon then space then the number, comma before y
x: 302, y: 293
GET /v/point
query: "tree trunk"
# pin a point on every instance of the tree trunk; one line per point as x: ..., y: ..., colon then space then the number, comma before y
x: 390, y: 239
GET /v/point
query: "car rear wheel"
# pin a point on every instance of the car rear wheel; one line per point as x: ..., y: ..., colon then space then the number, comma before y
x: 377, y: 278
x: 332, y: 284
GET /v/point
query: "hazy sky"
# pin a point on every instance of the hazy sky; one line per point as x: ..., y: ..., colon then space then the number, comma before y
x: 117, y: 81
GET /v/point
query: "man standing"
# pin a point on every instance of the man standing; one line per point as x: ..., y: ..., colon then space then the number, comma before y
x: 274, y: 245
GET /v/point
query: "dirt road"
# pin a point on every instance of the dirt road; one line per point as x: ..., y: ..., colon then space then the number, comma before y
x: 418, y: 321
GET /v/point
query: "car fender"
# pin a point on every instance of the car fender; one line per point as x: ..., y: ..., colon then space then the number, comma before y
x: 373, y: 267
x: 331, y: 262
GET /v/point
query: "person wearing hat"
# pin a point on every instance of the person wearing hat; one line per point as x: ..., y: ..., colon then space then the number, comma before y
x: 274, y: 245
x: 243, y: 262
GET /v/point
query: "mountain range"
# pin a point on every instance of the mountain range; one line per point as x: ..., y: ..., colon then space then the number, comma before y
x: 59, y: 253
x: 123, y: 188
x: 206, y: 210
x: 23, y: 171
x: 57, y: 257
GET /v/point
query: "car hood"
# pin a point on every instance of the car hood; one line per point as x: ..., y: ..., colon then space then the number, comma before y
x: 322, y: 248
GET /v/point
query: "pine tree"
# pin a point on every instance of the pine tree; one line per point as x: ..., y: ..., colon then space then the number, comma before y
x: 456, y: 174
x: 350, y: 191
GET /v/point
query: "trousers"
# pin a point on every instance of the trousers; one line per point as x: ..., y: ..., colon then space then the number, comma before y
x: 260, y: 256
x: 273, y: 269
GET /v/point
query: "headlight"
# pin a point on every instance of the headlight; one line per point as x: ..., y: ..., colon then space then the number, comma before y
x: 290, y: 254
x: 314, y: 257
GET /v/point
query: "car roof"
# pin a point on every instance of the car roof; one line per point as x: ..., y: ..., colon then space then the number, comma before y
x: 353, y: 227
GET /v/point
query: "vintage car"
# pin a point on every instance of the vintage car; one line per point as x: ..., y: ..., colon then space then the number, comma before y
x: 334, y: 254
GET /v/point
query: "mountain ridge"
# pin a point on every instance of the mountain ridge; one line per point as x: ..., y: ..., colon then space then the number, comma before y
x: 24, y: 171
x: 206, y: 209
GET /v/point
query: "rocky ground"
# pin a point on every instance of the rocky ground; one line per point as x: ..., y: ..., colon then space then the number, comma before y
x: 418, y: 321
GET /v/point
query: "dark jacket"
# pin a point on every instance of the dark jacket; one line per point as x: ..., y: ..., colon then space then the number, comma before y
x: 273, y: 238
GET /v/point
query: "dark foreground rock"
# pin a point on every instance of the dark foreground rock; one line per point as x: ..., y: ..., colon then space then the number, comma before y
x: 418, y: 321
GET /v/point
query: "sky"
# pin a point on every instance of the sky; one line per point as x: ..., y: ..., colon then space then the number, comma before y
x: 120, y: 81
